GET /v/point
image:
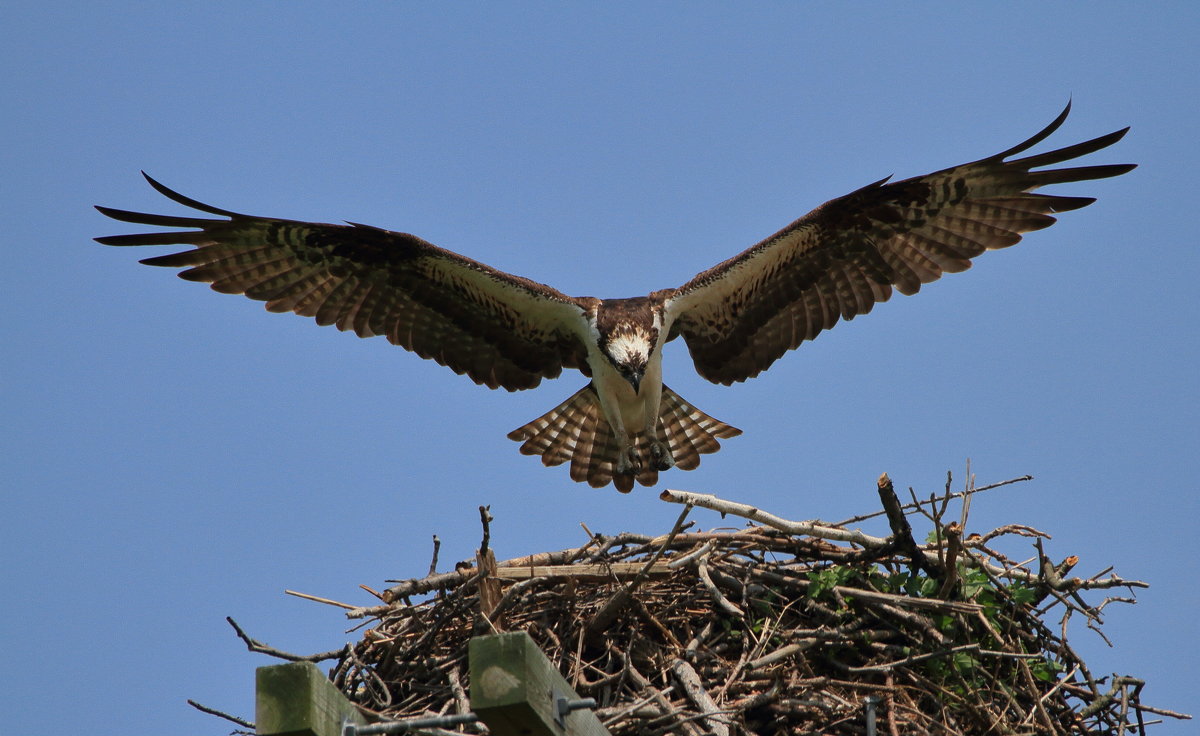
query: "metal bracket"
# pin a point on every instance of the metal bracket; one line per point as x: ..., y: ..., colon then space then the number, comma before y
x: 563, y: 706
x: 350, y: 728
x: 871, y: 701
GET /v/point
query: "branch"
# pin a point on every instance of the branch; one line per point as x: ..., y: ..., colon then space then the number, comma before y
x: 694, y: 688
x: 1118, y: 687
x: 257, y: 646
x: 718, y: 597
x: 918, y: 504
x: 437, y: 547
x: 911, y: 660
x: 807, y: 528
x: 416, y: 586
x: 902, y: 534
x: 485, y: 518
x: 215, y: 712
x: 319, y: 599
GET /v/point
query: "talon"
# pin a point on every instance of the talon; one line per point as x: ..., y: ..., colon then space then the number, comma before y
x: 661, y: 456
x: 628, y: 463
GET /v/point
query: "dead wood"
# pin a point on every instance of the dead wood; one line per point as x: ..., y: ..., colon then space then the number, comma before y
x: 782, y: 627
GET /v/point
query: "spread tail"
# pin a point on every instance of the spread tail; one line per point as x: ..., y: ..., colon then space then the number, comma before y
x: 576, y: 430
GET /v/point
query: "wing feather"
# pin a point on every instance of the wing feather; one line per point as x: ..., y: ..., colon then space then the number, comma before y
x: 842, y: 258
x: 351, y: 317
x: 499, y: 329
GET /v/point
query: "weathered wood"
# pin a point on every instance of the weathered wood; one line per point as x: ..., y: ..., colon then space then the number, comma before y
x: 514, y: 686
x: 297, y: 699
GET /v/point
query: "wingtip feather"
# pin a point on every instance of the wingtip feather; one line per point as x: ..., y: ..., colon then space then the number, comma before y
x: 1039, y: 136
x: 187, y: 201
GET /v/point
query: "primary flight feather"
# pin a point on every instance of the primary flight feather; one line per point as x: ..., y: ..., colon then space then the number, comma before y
x: 736, y: 318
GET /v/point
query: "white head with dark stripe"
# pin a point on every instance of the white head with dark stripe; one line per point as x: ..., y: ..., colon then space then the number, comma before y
x: 628, y: 331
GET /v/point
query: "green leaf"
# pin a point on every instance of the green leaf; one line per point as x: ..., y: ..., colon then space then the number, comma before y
x: 1022, y: 594
x: 824, y: 580
x: 964, y: 662
x: 929, y: 587
x: 1046, y: 670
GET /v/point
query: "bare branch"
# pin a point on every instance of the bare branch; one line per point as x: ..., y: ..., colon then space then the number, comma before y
x: 257, y: 646
x: 214, y: 712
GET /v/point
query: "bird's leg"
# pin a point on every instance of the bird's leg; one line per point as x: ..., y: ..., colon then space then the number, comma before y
x: 660, y: 453
x: 628, y: 461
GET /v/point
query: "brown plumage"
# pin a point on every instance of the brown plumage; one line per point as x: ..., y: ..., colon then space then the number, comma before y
x: 737, y: 318
x: 842, y: 258
x: 576, y: 430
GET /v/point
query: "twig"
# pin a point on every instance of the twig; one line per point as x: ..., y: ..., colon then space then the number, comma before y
x: 875, y: 595
x: 584, y: 571
x: 953, y: 534
x: 461, y: 703
x: 687, y: 559
x: 623, y: 712
x: 214, y: 712
x: 417, y: 586
x: 966, y: 497
x: 911, y: 660
x: 613, y: 606
x: 659, y: 698
x: 718, y: 597
x: 319, y: 599
x: 734, y: 612
x: 257, y: 646
x: 687, y: 677
x: 918, y: 504
x: 437, y: 547
x: 781, y: 653
x: 485, y: 518
x: 1118, y: 687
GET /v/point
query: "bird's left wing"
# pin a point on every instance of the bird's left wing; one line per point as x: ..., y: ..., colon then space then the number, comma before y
x: 840, y: 259
x: 499, y: 329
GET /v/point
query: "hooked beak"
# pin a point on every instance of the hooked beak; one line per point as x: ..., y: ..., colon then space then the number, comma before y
x: 634, y: 376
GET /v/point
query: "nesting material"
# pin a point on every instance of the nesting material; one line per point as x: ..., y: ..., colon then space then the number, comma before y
x: 780, y: 627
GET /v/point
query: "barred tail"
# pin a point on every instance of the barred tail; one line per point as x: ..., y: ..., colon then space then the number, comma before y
x: 689, y: 432
x: 576, y: 430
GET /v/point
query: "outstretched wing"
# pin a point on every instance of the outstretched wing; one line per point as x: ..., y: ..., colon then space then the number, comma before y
x: 840, y: 259
x: 499, y: 329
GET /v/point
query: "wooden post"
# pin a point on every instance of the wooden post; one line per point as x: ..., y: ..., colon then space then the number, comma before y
x: 514, y: 687
x: 297, y: 699
x: 514, y: 690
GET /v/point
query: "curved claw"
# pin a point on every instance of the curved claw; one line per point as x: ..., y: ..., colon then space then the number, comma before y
x: 661, y: 456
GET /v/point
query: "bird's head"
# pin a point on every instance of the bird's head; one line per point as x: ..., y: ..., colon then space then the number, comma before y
x: 629, y: 352
x: 627, y: 332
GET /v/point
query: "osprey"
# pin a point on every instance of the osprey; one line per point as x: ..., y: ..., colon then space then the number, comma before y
x: 737, y: 317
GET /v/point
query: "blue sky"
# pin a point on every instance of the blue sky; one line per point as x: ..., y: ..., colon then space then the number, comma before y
x: 173, y: 456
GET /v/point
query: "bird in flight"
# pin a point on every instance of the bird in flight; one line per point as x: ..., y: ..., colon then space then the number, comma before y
x: 737, y: 318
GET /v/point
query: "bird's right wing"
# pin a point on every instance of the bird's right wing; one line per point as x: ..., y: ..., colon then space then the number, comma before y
x: 499, y: 329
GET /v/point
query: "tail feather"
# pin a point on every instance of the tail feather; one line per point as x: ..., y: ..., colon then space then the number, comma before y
x: 576, y: 430
x: 690, y: 432
x: 593, y: 434
x: 564, y: 445
x: 552, y: 435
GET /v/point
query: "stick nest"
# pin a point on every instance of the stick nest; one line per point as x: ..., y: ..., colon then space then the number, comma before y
x: 780, y: 627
